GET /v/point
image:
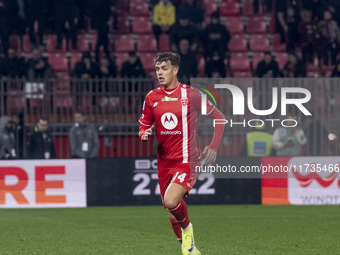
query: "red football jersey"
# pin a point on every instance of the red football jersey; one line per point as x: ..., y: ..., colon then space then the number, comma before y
x: 175, y: 114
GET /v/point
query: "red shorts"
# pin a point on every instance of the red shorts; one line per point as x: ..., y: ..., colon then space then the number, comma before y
x: 181, y: 174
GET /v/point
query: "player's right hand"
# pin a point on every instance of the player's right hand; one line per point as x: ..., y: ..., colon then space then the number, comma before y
x: 147, y: 133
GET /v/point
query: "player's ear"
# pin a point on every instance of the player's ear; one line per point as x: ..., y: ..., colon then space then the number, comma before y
x: 175, y: 70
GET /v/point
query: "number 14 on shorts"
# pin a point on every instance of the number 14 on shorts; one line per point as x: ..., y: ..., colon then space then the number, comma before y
x: 180, y: 177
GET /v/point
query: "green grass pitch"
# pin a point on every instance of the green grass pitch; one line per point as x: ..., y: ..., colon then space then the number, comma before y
x: 221, y: 229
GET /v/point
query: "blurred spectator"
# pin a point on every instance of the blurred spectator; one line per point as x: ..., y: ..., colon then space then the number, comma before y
x: 18, y: 119
x: 86, y: 68
x: 13, y: 66
x: 38, y: 67
x: 7, y: 138
x: 99, y: 11
x: 183, y: 30
x: 268, y: 67
x: 8, y: 13
x: 107, y: 68
x: 288, y: 15
x: 132, y: 68
x: 20, y: 18
x: 36, y: 11
x: 82, y: 6
x: 258, y: 143
x: 317, y: 8
x: 294, y: 67
x: 336, y: 71
x: 308, y: 30
x: 65, y: 13
x: 164, y: 16
x: 193, y: 11
x: 188, y: 62
x: 83, y: 138
x: 330, y: 38
x: 334, y: 8
x: 214, y: 66
x: 288, y: 141
x: 216, y: 37
x: 41, y: 145
x: 267, y: 6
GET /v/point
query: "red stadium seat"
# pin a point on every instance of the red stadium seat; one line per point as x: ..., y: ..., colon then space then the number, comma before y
x: 148, y: 60
x: 58, y: 62
x: 142, y: 25
x: 238, y: 43
x: 139, y: 8
x: 277, y: 45
x: 63, y: 101
x: 259, y: 43
x: 27, y: 46
x: 240, y: 62
x: 120, y: 59
x: 201, y: 66
x: 123, y: 26
x: 256, y: 25
x: 257, y: 58
x: 14, y: 42
x: 229, y: 8
x: 234, y: 25
x: 328, y: 75
x: 146, y: 43
x: 62, y: 75
x: 313, y: 74
x: 82, y: 43
x: 164, y: 43
x: 243, y: 75
x: 63, y: 83
x: 209, y: 7
x: 125, y: 43
x: 281, y: 59
x: 51, y: 43
x: 15, y: 100
x: 76, y: 57
x: 248, y: 8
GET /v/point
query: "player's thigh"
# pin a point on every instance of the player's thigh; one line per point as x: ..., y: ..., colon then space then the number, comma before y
x: 174, y: 195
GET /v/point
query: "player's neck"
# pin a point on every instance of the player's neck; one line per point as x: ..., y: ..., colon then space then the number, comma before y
x: 172, y: 85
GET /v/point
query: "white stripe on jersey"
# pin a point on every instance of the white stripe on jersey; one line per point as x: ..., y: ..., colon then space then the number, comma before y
x: 185, y: 126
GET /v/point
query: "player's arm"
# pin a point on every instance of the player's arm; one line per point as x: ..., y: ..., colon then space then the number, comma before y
x: 145, y: 132
x: 146, y: 120
x: 210, y: 151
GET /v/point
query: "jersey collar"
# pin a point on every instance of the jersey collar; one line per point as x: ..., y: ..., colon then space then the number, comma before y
x: 170, y: 91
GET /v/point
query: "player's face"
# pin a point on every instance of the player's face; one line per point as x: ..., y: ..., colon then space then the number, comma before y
x: 166, y: 73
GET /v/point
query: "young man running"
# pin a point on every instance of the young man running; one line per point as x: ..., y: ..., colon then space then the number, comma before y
x: 174, y: 109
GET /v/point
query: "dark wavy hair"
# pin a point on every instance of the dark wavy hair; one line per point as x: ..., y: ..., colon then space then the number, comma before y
x: 171, y: 57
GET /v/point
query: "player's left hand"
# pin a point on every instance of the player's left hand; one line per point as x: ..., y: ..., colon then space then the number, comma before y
x: 210, y: 155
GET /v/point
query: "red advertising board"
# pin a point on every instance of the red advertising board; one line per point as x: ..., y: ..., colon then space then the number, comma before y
x: 42, y: 183
x: 301, y: 180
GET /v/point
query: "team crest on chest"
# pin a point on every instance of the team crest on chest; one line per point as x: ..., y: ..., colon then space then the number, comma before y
x: 184, y: 101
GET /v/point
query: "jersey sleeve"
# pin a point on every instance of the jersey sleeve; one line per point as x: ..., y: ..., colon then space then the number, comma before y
x: 196, y: 99
x: 146, y: 118
x: 213, y: 113
x: 218, y: 130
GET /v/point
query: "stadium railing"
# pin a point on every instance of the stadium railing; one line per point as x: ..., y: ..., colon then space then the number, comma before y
x: 115, y: 105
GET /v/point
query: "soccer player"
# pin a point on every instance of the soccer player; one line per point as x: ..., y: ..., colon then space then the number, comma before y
x: 174, y: 109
